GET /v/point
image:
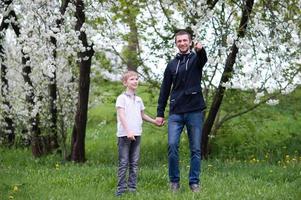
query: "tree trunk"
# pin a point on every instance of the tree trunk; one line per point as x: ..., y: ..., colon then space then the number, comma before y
x: 8, y: 130
x: 37, y: 146
x: 227, y: 73
x: 133, y: 46
x: 52, y: 87
x: 84, y: 63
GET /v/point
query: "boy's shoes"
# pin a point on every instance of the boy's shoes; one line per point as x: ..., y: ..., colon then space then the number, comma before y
x: 174, y: 186
x: 119, y: 193
x: 132, y: 190
x: 194, y: 188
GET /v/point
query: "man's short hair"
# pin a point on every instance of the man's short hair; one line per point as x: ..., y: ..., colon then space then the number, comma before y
x: 183, y: 32
x: 126, y: 75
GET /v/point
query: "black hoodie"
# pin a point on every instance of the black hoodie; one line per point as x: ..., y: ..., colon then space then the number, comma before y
x: 182, y: 81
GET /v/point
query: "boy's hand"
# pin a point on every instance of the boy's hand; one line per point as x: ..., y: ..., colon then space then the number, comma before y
x: 131, y: 136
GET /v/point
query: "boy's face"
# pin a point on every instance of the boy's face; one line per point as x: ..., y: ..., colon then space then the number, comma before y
x: 131, y: 83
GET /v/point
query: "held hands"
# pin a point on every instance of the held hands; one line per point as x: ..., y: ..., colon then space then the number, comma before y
x: 159, y: 121
x: 198, y: 46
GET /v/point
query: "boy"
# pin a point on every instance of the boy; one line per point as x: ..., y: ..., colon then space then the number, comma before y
x: 130, y: 113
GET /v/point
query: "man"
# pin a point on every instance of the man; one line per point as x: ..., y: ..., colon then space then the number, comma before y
x: 182, y: 82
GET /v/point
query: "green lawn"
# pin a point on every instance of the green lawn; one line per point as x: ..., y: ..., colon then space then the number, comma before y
x: 251, y: 160
x: 23, y: 177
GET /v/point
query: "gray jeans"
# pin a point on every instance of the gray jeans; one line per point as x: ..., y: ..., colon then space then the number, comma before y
x: 128, y: 156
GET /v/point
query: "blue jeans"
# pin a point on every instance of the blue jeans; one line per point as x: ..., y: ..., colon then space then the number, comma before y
x: 128, y: 156
x: 194, y: 124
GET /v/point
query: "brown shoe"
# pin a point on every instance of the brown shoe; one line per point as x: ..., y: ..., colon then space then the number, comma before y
x: 195, y: 188
x: 174, y: 186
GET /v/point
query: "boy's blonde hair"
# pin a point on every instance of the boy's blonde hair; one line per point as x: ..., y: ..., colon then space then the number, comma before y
x: 126, y: 75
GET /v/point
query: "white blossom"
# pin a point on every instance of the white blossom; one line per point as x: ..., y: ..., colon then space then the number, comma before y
x: 272, y: 102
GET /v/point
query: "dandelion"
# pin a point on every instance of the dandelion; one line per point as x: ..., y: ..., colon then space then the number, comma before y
x: 253, y: 160
x: 57, y: 166
x: 15, y: 188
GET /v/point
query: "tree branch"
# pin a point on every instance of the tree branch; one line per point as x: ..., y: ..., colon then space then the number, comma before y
x: 211, y: 3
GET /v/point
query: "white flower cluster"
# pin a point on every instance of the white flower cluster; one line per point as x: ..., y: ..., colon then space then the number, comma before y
x: 258, y: 97
x: 38, y: 24
x: 273, y: 102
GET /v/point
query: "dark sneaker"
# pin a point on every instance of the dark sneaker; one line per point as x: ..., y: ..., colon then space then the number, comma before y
x: 194, y: 188
x: 132, y: 190
x: 119, y: 193
x: 174, y: 186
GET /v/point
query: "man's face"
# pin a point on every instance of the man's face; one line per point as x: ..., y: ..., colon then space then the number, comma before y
x: 183, y: 43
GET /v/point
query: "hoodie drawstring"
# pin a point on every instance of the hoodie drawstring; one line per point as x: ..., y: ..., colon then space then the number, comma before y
x: 177, y: 67
x: 186, y: 65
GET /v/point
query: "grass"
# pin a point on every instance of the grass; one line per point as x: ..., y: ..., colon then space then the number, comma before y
x: 23, y: 177
x: 239, y: 173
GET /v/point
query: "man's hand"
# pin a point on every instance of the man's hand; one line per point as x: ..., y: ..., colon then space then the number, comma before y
x: 160, y: 121
x: 198, y: 46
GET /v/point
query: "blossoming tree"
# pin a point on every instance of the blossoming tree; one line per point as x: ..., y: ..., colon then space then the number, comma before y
x: 46, y: 56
